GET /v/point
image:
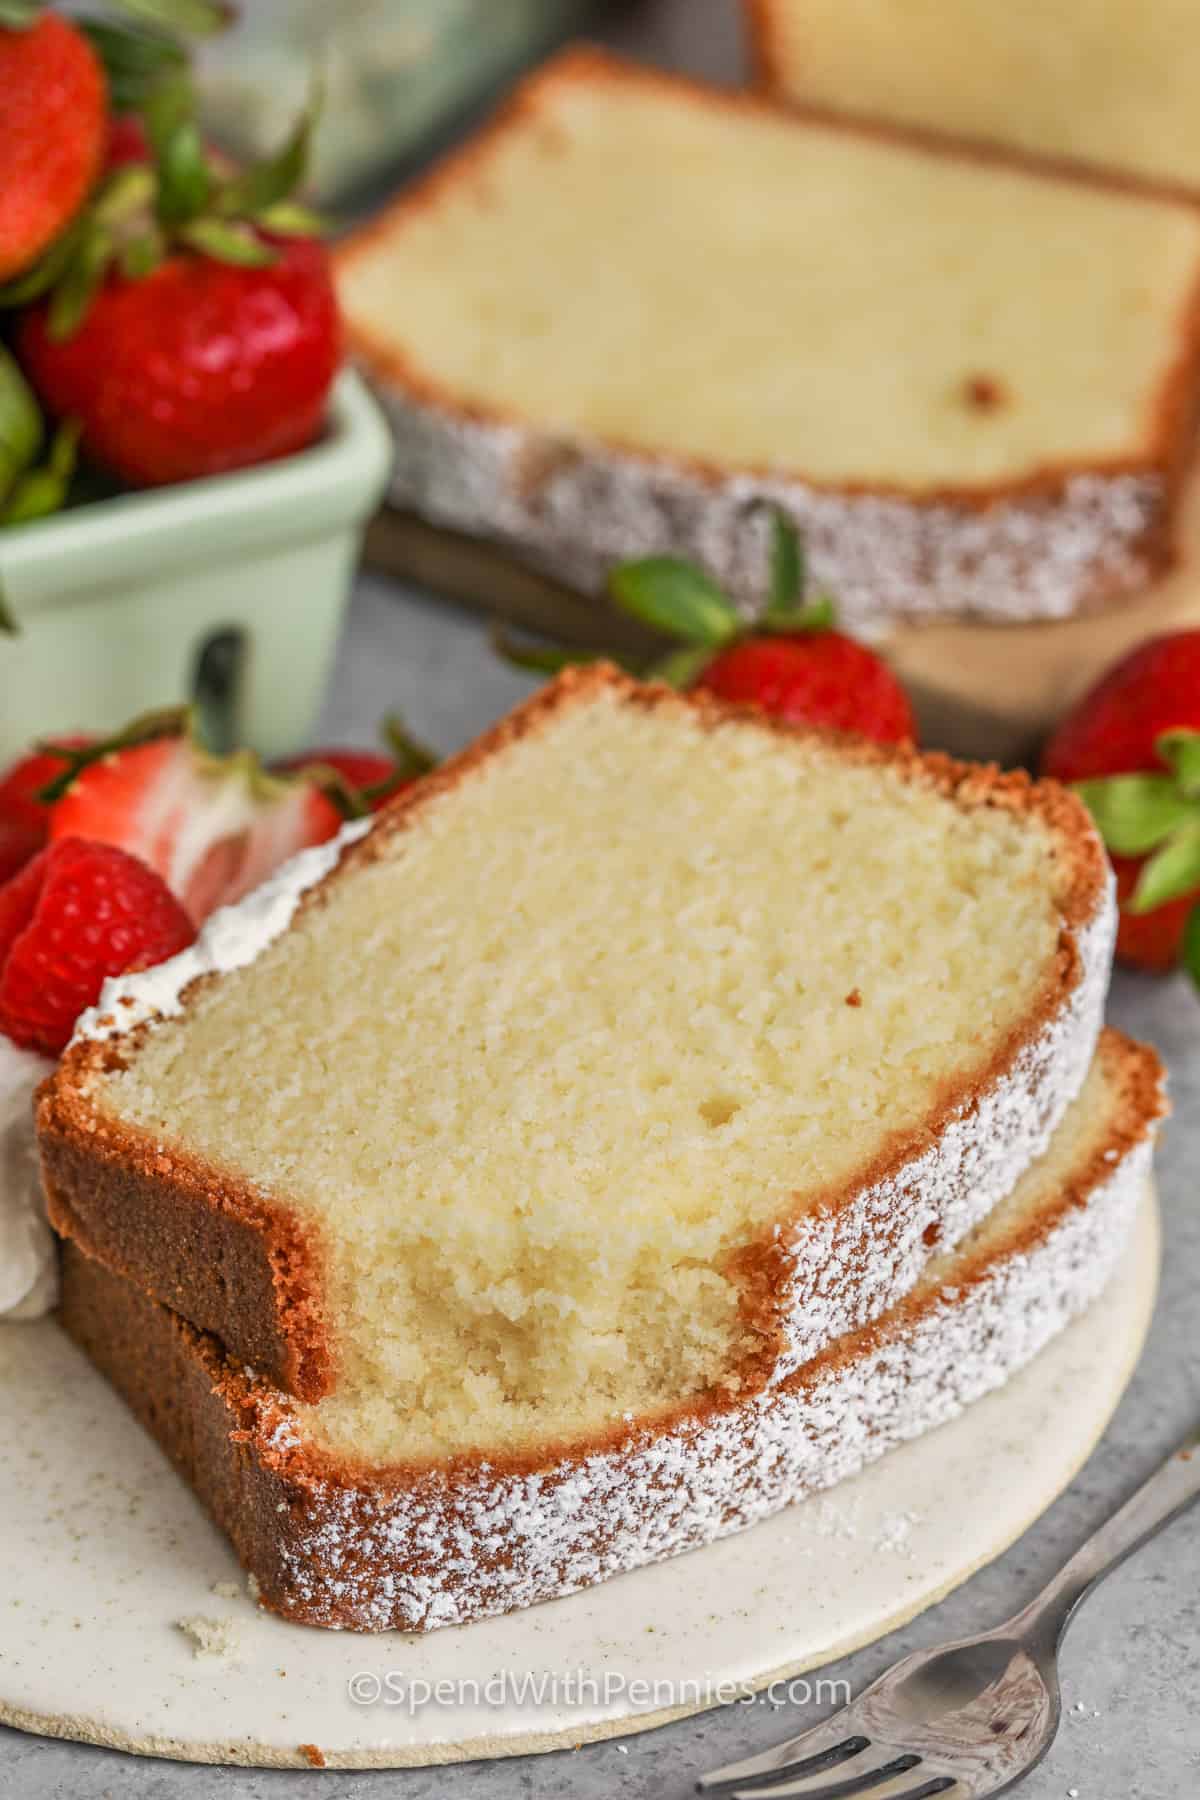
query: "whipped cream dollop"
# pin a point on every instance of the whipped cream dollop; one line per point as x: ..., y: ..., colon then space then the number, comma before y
x: 231, y: 938
x: 28, y: 1258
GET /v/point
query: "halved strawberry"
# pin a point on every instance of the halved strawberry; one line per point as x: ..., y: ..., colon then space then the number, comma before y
x: 213, y: 827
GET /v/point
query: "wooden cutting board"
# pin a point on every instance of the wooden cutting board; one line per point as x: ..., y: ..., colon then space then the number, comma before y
x: 494, y: 581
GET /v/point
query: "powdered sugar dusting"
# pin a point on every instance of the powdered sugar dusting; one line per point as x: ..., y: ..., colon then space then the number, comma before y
x: 848, y: 1265
x: 464, y: 1542
x: 232, y: 938
x: 838, y: 1267
x: 574, y: 507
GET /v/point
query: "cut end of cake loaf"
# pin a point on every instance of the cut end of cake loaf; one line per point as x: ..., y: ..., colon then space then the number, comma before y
x: 554, y: 1093
x: 633, y: 304
x: 333, y: 1541
x: 1110, y: 86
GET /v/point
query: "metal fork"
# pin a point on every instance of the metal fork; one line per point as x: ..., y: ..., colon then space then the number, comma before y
x: 972, y: 1718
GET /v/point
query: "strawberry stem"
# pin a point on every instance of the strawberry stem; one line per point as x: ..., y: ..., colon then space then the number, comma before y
x: 551, y: 659
x: 676, y: 598
x: 262, y: 185
x: 351, y: 802
x: 410, y: 756
x: 188, y: 18
x: 1180, y: 750
x: 21, y: 429
x: 817, y: 616
x: 147, y: 728
x: 680, y: 668
x: 19, y: 15
x: 42, y: 491
x: 1189, y: 955
x: 786, y: 592
x: 1172, y: 871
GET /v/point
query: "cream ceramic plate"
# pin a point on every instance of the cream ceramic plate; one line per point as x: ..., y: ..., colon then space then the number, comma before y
x: 103, y: 1551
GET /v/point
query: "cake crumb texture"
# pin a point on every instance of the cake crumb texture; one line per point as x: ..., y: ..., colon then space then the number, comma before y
x: 218, y: 1639
x: 569, y: 1043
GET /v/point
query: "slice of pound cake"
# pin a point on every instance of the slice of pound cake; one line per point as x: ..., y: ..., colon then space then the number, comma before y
x: 1110, y: 85
x: 634, y: 306
x: 640, y: 1052
x: 336, y: 1534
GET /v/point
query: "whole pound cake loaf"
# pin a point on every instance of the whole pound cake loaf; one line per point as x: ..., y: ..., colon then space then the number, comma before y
x: 637, y: 1054
x: 339, y: 1533
x: 1107, y: 83
x: 634, y: 307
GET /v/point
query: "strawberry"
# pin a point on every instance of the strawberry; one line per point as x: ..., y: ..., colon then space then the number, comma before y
x: 73, y: 916
x: 127, y: 142
x: 53, y: 129
x: 197, y: 368
x: 212, y: 827
x: 24, y: 816
x: 1131, y: 749
x: 374, y: 778
x: 188, y: 323
x: 1151, y: 940
x: 790, y: 662
x: 815, y: 677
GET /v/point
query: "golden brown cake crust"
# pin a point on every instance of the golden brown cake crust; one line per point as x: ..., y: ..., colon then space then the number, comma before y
x: 250, y: 1270
x: 334, y: 1543
x: 1040, y: 507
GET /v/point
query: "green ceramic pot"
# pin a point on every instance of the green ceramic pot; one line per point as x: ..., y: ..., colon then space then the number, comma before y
x: 118, y: 601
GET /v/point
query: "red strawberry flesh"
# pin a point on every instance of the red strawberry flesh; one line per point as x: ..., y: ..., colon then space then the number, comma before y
x: 52, y: 134
x: 198, y: 368
x: 24, y: 818
x: 1114, y: 730
x: 75, y: 915
x: 814, y: 678
x: 372, y: 777
x: 213, y: 828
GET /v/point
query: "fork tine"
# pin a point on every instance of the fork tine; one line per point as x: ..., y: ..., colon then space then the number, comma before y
x: 873, y: 1772
x: 898, y: 1779
x: 925, y: 1790
x: 819, y: 1747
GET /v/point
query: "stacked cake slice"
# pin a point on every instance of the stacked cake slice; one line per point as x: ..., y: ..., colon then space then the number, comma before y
x: 653, y: 1116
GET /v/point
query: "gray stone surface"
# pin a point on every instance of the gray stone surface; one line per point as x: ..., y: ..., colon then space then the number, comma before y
x: 1133, y: 1657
